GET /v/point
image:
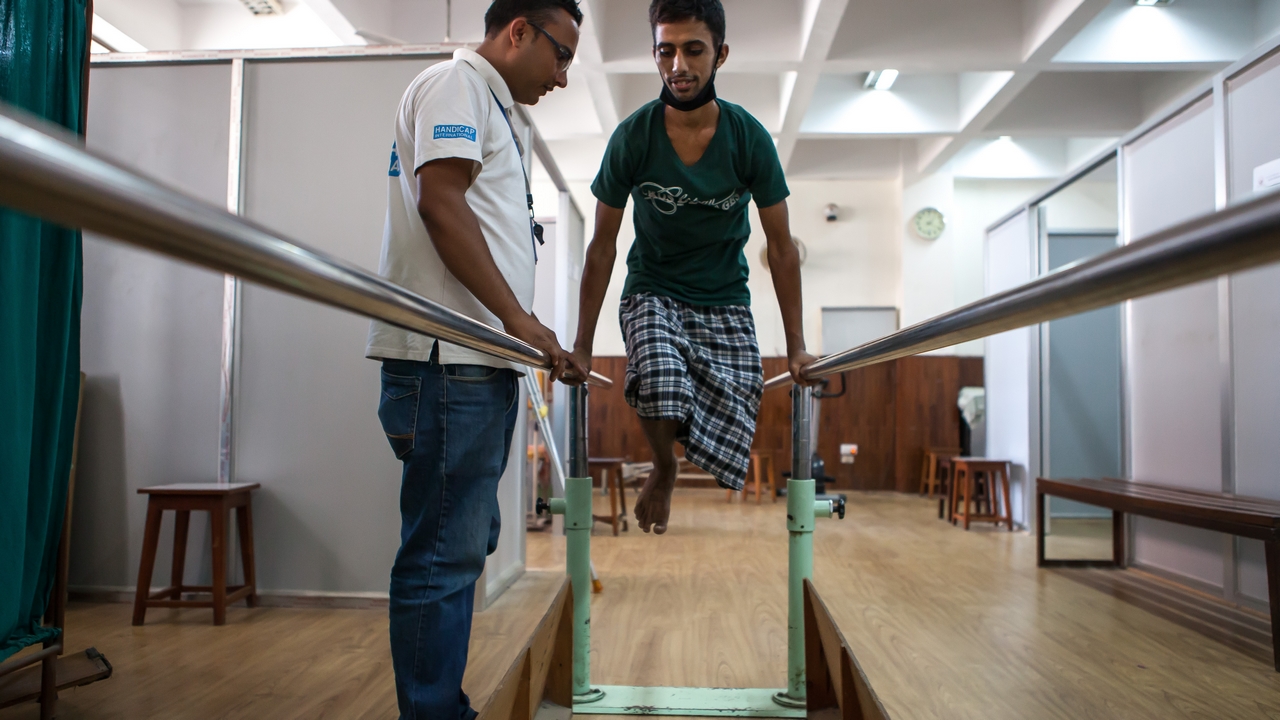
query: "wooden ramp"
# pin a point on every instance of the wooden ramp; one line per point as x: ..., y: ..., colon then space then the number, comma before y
x: 538, y: 683
x: 543, y: 668
x: 940, y: 622
x: 834, y: 677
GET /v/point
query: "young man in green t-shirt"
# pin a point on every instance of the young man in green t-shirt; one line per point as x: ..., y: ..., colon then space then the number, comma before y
x: 692, y: 163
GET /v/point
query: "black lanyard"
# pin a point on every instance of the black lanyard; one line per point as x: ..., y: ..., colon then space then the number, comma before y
x: 534, y: 228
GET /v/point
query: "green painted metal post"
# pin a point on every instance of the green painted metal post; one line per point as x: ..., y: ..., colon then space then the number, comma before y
x: 800, y: 521
x: 577, y: 530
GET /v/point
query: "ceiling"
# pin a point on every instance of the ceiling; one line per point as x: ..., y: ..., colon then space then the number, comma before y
x: 988, y: 88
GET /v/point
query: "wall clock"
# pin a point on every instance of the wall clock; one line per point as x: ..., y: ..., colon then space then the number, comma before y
x: 804, y: 252
x: 929, y: 223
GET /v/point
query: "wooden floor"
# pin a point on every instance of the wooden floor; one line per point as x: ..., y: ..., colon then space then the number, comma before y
x: 272, y: 662
x: 946, y: 624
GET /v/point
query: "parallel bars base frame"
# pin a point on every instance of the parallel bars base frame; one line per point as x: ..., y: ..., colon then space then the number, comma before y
x: 689, y: 702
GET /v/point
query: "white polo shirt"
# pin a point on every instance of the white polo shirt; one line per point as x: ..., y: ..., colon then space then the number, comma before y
x: 450, y: 111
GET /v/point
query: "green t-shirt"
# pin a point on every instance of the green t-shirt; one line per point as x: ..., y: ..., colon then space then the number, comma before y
x: 691, y: 221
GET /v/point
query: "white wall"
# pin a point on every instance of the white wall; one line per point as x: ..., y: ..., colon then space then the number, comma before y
x: 151, y: 328
x: 1010, y: 262
x: 1175, y: 417
x: 172, y: 25
x: 230, y: 26
x: 155, y: 24
x: 928, y: 266
x: 978, y: 204
x: 1087, y: 204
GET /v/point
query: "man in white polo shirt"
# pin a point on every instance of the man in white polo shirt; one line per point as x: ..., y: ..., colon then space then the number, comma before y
x: 459, y: 231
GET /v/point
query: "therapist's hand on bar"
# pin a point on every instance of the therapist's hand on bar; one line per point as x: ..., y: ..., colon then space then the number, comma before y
x: 528, y: 328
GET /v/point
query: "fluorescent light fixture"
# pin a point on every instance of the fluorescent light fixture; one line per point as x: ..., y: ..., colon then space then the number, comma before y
x: 112, y: 39
x: 1152, y: 3
x: 886, y: 79
x: 1006, y: 137
x: 880, y: 79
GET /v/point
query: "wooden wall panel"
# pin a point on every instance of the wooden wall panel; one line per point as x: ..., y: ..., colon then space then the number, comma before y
x: 773, y: 425
x: 615, y: 430
x: 927, y: 415
x: 892, y: 411
x: 863, y: 415
x: 971, y: 372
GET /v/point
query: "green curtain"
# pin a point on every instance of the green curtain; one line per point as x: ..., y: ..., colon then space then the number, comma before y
x: 42, y: 64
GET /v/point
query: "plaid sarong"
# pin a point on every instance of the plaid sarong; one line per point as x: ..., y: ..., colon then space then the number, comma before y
x: 701, y: 366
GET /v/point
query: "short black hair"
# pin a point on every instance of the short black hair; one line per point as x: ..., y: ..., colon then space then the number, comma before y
x: 710, y: 12
x: 502, y: 12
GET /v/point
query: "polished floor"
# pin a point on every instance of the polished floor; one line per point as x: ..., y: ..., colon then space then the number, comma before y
x: 946, y: 624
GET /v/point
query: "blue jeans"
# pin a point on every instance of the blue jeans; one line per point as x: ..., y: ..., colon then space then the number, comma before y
x: 451, y: 425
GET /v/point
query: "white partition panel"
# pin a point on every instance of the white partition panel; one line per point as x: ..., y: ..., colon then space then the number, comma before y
x: 1253, y: 104
x: 317, y: 134
x: 1174, y: 372
x: 559, y: 275
x: 1011, y: 404
x: 318, y: 141
x: 151, y: 328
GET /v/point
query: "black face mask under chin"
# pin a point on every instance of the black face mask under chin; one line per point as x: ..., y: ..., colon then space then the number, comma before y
x: 707, y: 94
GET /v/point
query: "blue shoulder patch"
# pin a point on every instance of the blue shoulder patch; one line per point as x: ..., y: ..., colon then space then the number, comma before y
x: 394, y: 170
x: 446, y: 132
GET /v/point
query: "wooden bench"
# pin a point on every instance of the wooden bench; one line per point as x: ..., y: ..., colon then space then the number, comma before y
x: 1234, y: 514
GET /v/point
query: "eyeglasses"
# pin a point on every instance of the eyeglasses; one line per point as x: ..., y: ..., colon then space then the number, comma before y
x: 564, y: 56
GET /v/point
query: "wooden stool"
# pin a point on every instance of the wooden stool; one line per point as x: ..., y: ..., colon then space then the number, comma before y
x: 183, y: 499
x: 944, y: 475
x: 964, y: 486
x: 929, y: 480
x: 761, y: 465
x: 611, y: 478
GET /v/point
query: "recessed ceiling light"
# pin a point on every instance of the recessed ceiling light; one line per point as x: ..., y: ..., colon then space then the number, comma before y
x: 264, y: 7
x: 880, y: 79
x: 1006, y: 137
x: 1152, y: 3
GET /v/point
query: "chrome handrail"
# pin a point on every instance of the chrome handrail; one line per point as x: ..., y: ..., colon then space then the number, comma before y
x: 46, y: 171
x: 1219, y: 243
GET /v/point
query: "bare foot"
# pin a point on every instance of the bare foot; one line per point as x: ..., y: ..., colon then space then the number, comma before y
x: 653, y: 507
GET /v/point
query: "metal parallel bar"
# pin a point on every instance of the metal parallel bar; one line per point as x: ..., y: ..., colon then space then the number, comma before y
x: 800, y: 521
x: 578, y: 427
x: 231, y: 285
x: 578, y: 522
x: 1220, y: 243
x: 45, y: 171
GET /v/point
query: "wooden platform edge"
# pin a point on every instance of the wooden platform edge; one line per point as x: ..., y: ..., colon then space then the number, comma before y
x: 544, y: 668
x: 75, y: 670
x: 833, y: 677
